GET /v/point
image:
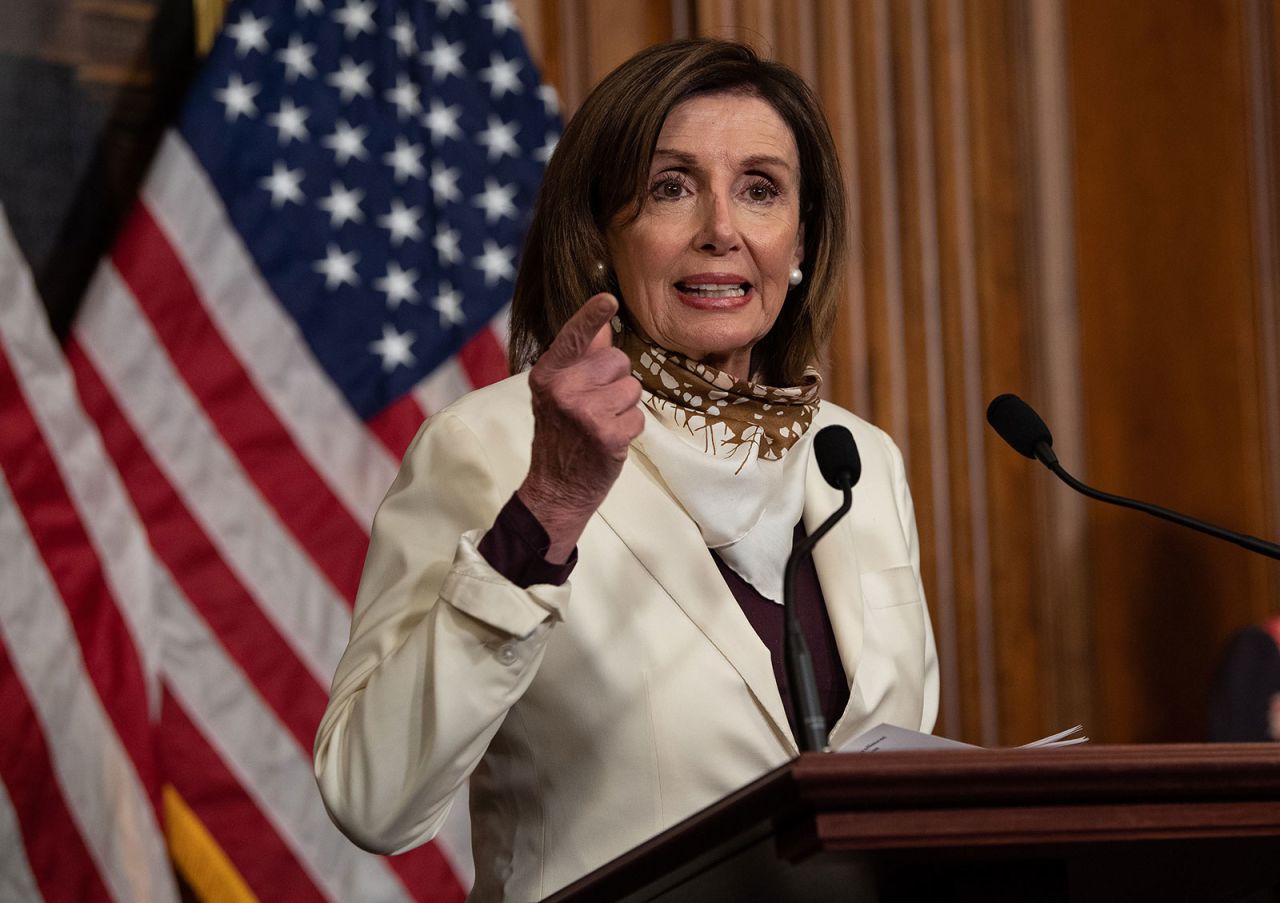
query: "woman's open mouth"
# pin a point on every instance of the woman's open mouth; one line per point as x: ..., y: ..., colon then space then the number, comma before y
x: 715, y: 294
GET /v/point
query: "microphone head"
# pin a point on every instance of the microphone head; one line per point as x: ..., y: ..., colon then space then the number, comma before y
x: 837, y: 456
x: 1018, y: 424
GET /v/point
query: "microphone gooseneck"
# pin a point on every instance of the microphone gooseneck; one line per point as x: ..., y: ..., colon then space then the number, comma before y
x: 841, y: 466
x: 1020, y: 426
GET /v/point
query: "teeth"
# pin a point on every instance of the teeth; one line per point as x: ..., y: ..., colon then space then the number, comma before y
x: 714, y: 291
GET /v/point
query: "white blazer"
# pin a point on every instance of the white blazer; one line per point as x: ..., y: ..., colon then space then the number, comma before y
x: 594, y: 715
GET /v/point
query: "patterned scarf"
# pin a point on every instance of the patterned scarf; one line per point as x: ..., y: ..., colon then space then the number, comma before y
x: 733, y: 418
x: 721, y: 447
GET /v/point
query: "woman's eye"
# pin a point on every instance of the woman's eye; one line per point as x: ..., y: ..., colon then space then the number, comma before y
x: 761, y: 191
x: 668, y: 188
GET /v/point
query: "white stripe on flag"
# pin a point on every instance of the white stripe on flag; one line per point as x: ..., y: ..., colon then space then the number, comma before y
x: 97, y: 777
x: 446, y: 384
x: 90, y: 477
x: 268, y: 343
x: 16, y: 880
x: 309, y: 613
x: 500, y: 325
x: 262, y: 755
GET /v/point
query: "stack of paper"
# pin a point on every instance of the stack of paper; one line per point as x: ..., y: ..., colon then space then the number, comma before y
x: 885, y: 737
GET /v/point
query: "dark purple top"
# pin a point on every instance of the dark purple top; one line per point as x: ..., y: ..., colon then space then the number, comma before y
x: 516, y: 547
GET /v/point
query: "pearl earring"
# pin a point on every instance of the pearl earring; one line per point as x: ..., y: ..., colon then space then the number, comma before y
x: 796, y: 277
x: 600, y: 268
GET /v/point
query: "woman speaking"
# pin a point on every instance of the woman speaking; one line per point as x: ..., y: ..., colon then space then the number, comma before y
x: 572, y: 590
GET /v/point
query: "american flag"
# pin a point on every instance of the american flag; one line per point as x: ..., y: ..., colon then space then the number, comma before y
x: 321, y: 256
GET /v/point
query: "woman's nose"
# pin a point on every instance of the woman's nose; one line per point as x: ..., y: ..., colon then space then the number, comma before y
x: 718, y: 231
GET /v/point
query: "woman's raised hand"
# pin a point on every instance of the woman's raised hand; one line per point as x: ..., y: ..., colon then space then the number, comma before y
x: 585, y: 414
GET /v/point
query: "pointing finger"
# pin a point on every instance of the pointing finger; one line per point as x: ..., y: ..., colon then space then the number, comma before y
x: 587, y: 329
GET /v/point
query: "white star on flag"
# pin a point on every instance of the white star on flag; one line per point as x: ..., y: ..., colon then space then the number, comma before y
x: 346, y: 142
x: 338, y: 268
x: 342, y: 205
x: 405, y: 97
x: 401, y: 222
x: 249, y: 34
x: 404, y: 34
x: 406, y: 160
x: 447, y: 245
x: 502, y: 14
x: 309, y: 6
x: 445, y: 7
x: 444, y: 183
x: 297, y: 59
x: 351, y: 80
x: 448, y: 303
x: 284, y: 184
x: 500, y: 138
x: 355, y: 18
x: 497, y: 201
x: 442, y: 122
x: 237, y: 97
x: 543, y: 154
x: 496, y: 263
x: 445, y: 59
x: 398, y: 285
x: 290, y: 122
x: 502, y: 76
x: 395, y: 348
x: 550, y: 100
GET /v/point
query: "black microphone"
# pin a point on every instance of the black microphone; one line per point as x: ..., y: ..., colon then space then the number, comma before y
x: 840, y: 465
x: 1023, y: 429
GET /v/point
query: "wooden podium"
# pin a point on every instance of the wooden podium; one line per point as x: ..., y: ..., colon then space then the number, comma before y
x: 1090, y: 823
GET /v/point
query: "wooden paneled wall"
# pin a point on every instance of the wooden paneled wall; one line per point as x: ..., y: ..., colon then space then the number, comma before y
x: 1076, y: 201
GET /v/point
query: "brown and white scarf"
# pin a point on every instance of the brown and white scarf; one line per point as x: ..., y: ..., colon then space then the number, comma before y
x: 733, y: 453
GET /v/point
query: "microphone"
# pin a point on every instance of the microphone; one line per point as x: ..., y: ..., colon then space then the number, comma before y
x: 837, y: 455
x: 841, y: 466
x: 1022, y: 428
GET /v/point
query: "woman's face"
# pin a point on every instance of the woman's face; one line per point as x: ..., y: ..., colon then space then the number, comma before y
x: 703, y: 269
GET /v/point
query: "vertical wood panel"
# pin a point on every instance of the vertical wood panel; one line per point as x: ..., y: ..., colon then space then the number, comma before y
x: 849, y: 382
x: 1262, y: 41
x: 616, y: 31
x: 927, y: 431
x: 1063, y: 603
x: 878, y: 194
x: 1010, y: 642
x: 1167, y: 284
x: 969, y: 698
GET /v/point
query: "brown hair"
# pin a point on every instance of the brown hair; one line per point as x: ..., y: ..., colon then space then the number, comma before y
x: 600, y: 169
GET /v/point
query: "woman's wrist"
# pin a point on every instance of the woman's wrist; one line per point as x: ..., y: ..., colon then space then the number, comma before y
x: 555, y: 510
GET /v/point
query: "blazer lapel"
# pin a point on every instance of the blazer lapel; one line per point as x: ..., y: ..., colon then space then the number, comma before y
x: 667, y: 542
x: 835, y: 557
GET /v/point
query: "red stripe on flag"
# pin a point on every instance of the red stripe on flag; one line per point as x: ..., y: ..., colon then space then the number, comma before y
x: 232, y: 818
x: 193, y: 560
x: 483, y: 359
x: 106, y: 645
x: 397, y: 424
x: 59, y: 859
x: 427, y: 876
x: 300, y: 496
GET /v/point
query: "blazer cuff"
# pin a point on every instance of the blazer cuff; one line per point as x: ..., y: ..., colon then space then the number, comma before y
x: 476, y: 589
x: 516, y: 546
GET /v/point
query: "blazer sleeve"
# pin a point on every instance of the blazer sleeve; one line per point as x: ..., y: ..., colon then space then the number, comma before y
x: 441, y: 647
x: 907, y: 519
